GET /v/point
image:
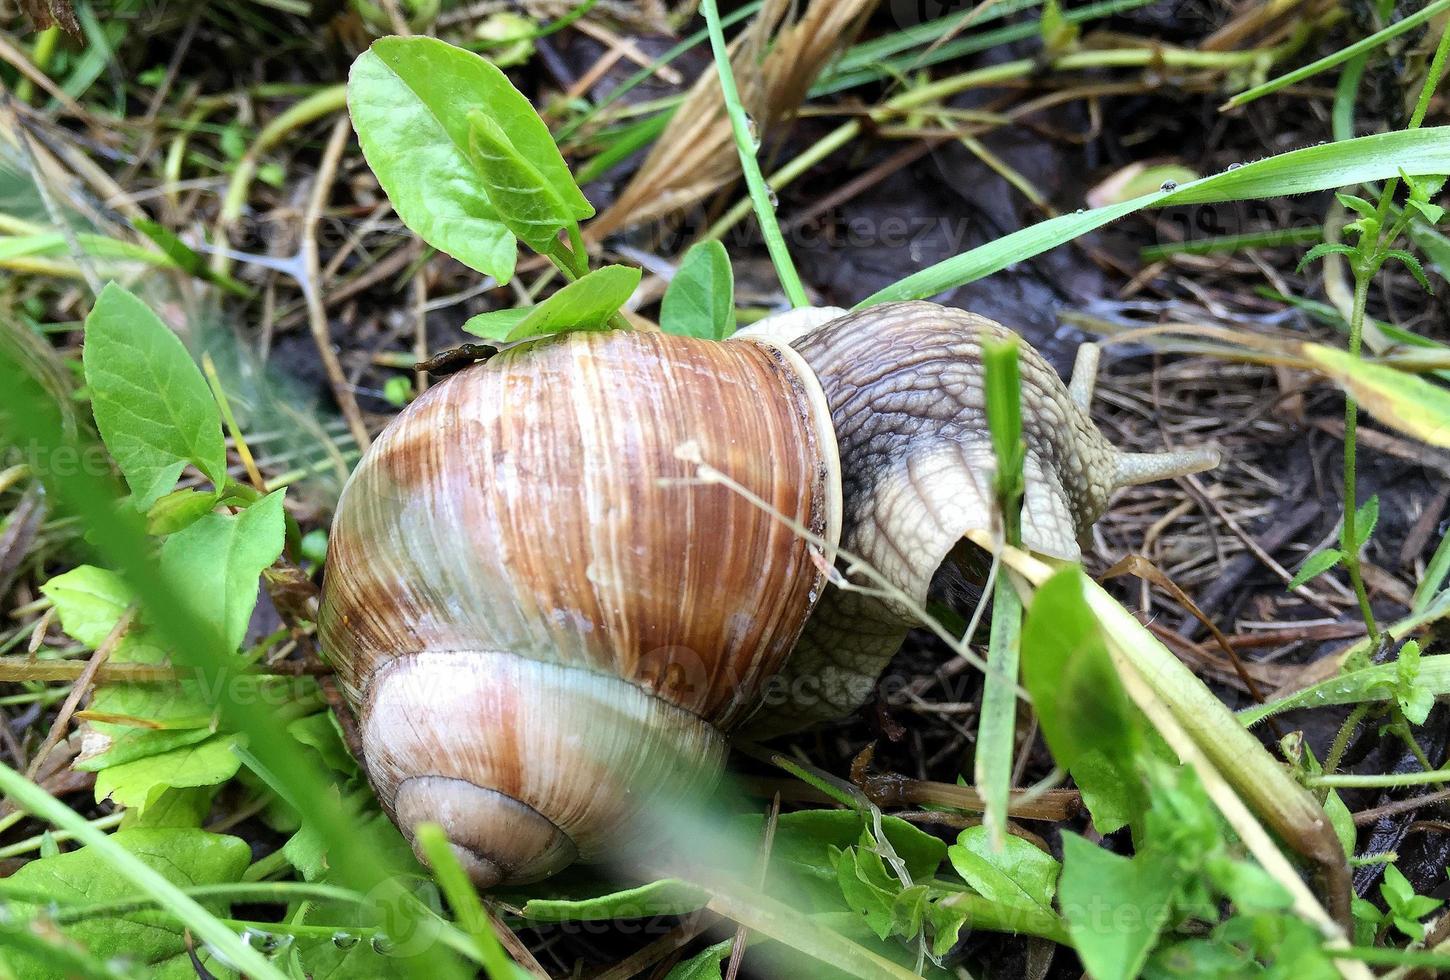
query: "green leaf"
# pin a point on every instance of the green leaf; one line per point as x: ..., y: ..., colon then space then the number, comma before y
x: 586, y: 304
x: 1115, y: 906
x: 1366, y: 516
x: 1377, y: 683
x: 668, y: 896
x: 946, y: 926
x: 1342, y: 821
x: 1017, y: 874
x: 1432, y: 213
x: 1321, y: 250
x: 152, y: 405
x: 137, y: 785
x: 704, y: 965
x: 1066, y: 667
x: 700, y: 300
x: 525, y: 201
x: 321, y: 732
x: 1248, y: 886
x: 1058, y: 33
x: 1315, y: 565
x: 186, y: 807
x: 179, y: 509
x: 1413, y: 264
x: 216, y: 562
x: 1313, y: 168
x: 868, y: 889
x: 185, y: 257
x: 1356, y: 204
x: 89, y: 601
x: 1398, y: 399
x: 410, y: 99
x: 805, y: 839
x: 1414, y: 697
x: 184, y: 857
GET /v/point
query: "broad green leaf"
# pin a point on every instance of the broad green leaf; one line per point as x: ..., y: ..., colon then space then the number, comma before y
x: 1092, y: 728
x: 123, y: 744
x: 152, y: 406
x: 1313, y: 168
x: 1080, y: 702
x: 586, y: 304
x: 524, y: 200
x: 1113, y: 795
x: 410, y: 99
x: 1114, y: 906
x: 184, y: 807
x: 1400, y: 400
x: 216, y: 562
x: 1315, y: 565
x: 320, y: 731
x: 89, y: 601
x: 136, y: 785
x: 1017, y: 874
x: 184, y: 857
x: 700, y: 301
x: 867, y: 887
x: 804, y: 841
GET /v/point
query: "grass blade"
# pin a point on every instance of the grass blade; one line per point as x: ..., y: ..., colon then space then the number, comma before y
x: 463, y: 899
x: 1314, y: 168
x: 745, y: 143
x: 1342, y: 55
x: 997, y: 727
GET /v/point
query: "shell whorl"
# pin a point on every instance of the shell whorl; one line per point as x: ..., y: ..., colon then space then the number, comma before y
x: 539, y: 614
x: 905, y: 386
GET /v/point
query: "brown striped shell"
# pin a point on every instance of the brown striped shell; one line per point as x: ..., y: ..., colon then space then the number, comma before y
x: 540, y: 616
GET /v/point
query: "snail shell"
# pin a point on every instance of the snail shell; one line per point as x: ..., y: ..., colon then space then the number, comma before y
x: 541, y: 619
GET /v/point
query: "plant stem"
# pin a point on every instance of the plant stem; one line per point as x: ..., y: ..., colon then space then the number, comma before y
x: 1349, y: 540
x: 1372, y: 781
x: 745, y: 144
x: 1340, y: 744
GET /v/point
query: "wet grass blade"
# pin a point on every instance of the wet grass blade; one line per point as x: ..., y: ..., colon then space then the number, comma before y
x: 1314, y: 168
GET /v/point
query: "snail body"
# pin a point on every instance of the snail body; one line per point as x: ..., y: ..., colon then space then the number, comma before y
x: 546, y: 622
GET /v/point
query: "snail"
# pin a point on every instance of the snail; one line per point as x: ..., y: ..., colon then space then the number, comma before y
x: 546, y: 623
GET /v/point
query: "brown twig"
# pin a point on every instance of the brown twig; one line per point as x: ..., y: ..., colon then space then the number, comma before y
x: 311, y: 285
x: 78, y: 690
